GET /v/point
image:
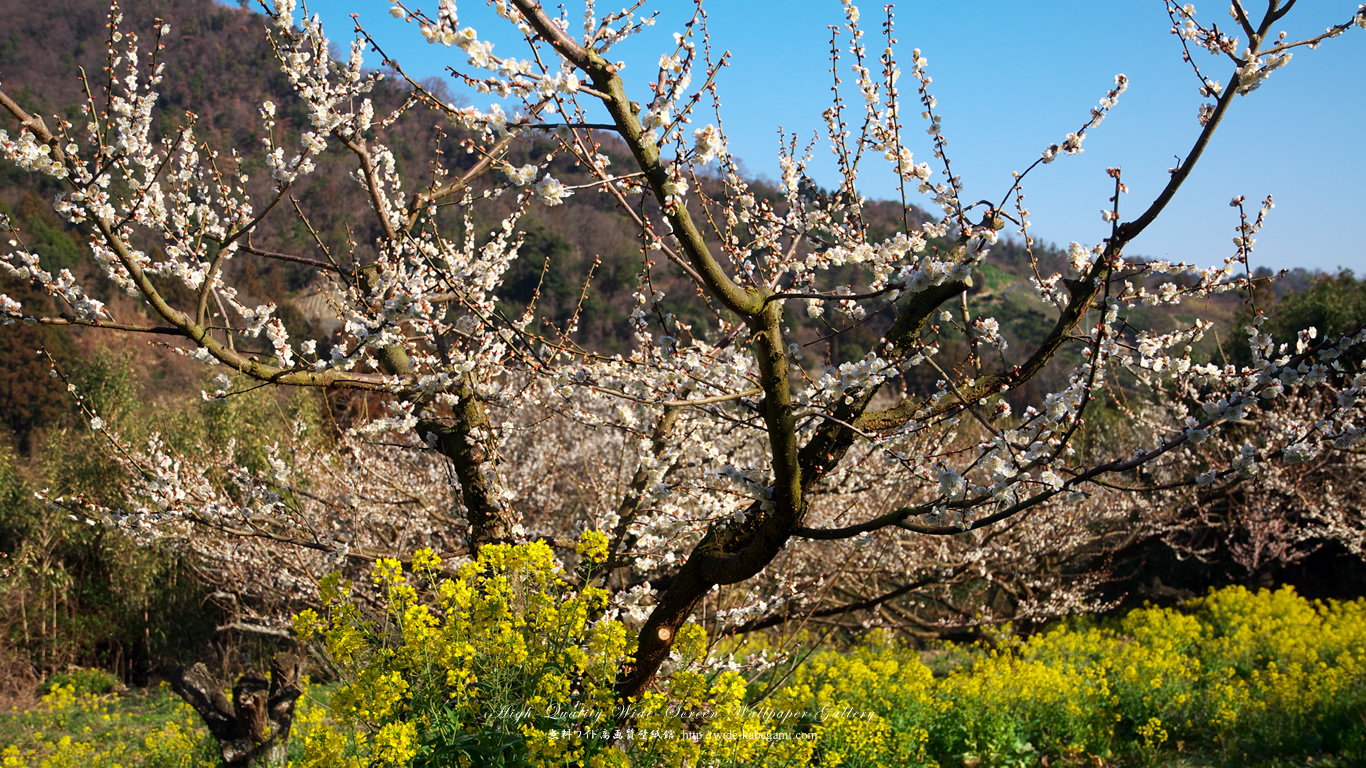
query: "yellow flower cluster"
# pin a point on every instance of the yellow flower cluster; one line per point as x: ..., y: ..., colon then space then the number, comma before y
x: 75, y: 729
x: 593, y: 546
x: 862, y: 707
x: 1234, y: 675
x: 507, y: 661
x: 486, y: 664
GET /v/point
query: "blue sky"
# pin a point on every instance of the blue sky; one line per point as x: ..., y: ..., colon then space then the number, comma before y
x: 1011, y: 78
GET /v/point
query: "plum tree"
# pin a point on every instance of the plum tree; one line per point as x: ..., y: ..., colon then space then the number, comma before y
x: 714, y: 453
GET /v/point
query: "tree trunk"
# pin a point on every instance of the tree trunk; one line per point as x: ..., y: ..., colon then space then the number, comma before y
x: 252, y: 728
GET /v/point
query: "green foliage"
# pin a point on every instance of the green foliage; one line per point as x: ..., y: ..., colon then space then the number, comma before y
x: 1330, y: 304
x: 83, y: 594
x: 30, y: 399
x: 70, y: 728
x: 13, y: 495
x: 1333, y: 305
x: 993, y: 278
x: 82, y: 680
x: 542, y: 271
x: 43, y: 233
x: 105, y: 382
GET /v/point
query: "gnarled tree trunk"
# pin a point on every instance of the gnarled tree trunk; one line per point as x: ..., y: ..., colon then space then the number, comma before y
x: 252, y: 728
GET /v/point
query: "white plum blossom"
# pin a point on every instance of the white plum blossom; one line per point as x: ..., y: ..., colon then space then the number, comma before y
x: 522, y: 176
x: 551, y: 191
x: 707, y: 144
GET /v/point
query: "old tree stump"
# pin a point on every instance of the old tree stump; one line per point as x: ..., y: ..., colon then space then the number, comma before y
x: 253, y: 727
